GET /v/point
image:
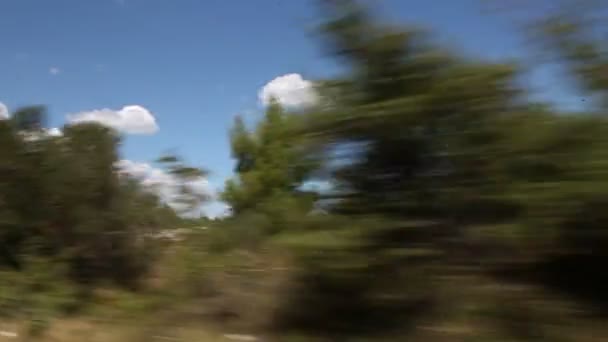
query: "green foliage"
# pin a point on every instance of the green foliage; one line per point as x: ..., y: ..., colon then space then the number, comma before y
x: 455, y: 200
x: 270, y: 160
x: 452, y: 142
x: 571, y: 39
x: 37, y: 294
x: 63, y: 204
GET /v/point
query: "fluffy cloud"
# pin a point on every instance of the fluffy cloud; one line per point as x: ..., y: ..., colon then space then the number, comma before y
x: 130, y: 119
x: 3, y: 111
x: 54, y: 71
x: 162, y: 183
x: 289, y: 90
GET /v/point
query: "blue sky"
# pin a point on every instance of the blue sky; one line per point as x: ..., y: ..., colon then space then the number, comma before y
x: 194, y: 64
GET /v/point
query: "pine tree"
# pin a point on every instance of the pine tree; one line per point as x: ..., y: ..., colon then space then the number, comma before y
x: 270, y: 161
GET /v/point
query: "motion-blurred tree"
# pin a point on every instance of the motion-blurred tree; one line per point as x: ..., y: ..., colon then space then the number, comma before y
x: 448, y: 141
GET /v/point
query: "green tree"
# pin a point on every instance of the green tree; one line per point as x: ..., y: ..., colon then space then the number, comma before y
x: 63, y: 199
x: 437, y: 147
x: 271, y: 162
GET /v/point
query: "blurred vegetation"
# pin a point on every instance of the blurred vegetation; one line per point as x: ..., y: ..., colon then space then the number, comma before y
x: 460, y: 209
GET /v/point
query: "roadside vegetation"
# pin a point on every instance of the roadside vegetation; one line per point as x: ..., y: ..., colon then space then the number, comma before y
x: 459, y: 210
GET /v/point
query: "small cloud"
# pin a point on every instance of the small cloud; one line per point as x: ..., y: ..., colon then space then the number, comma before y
x: 54, y: 71
x: 289, y: 90
x: 130, y: 119
x: 3, y: 111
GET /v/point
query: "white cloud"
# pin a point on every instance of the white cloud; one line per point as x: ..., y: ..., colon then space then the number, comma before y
x: 162, y: 183
x: 3, y: 111
x: 134, y: 169
x: 54, y: 71
x: 289, y: 90
x: 130, y: 119
x: 54, y: 132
